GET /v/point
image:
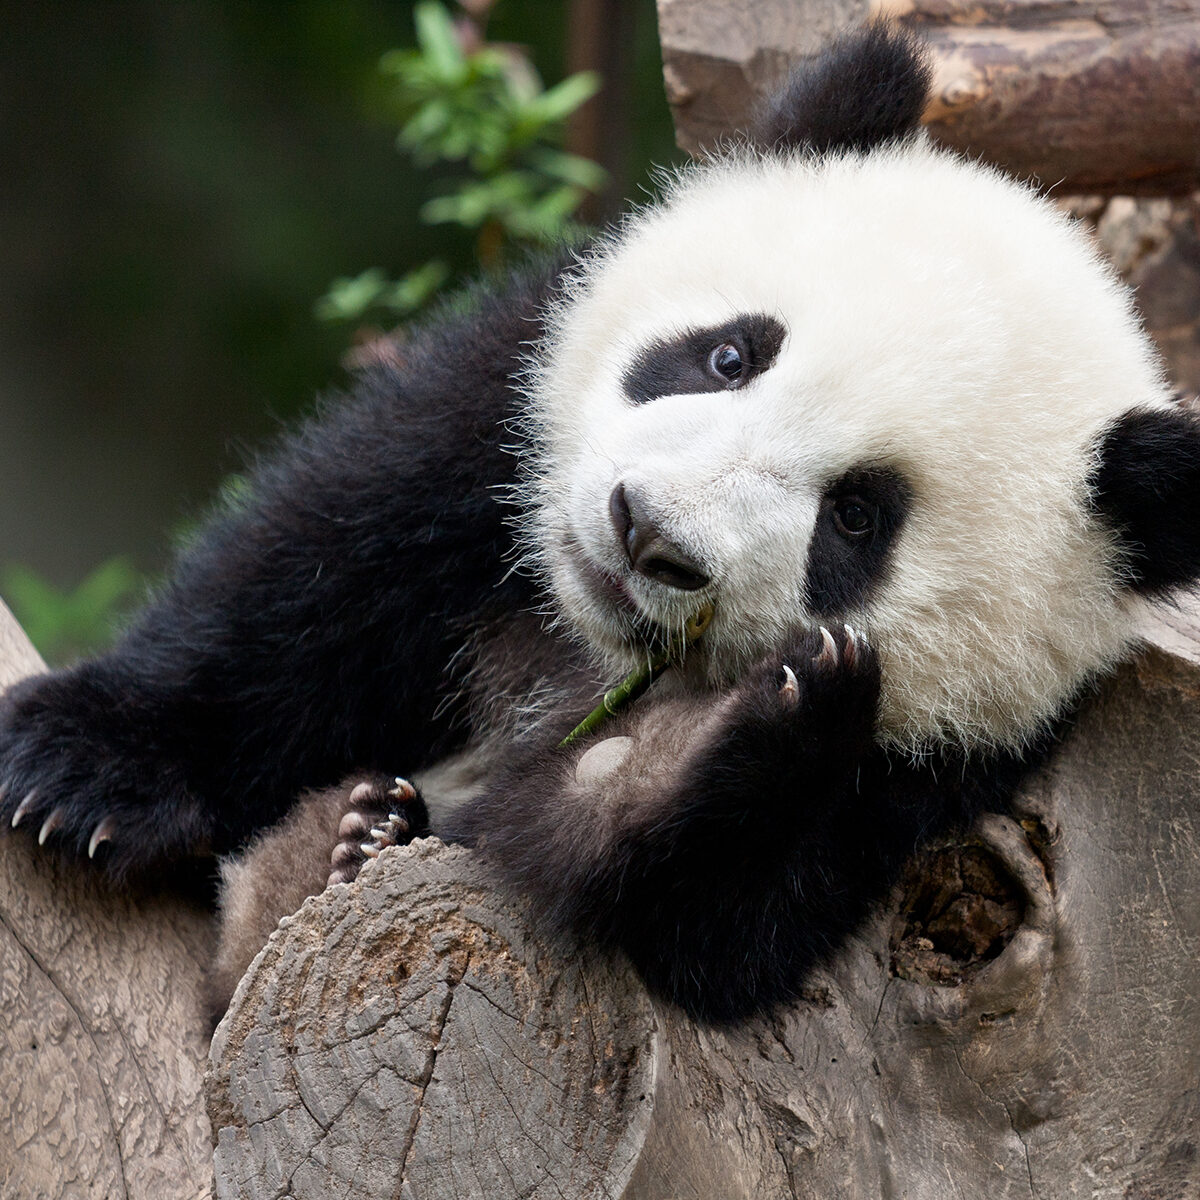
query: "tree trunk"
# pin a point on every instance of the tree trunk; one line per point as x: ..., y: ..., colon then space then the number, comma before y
x: 103, y: 1048
x: 1020, y: 1018
x: 1098, y: 97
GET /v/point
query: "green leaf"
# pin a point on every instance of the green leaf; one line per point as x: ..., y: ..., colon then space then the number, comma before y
x: 570, y: 168
x: 413, y: 290
x: 437, y: 39
x: 424, y: 133
x: 101, y: 593
x: 560, y: 101
x: 352, y: 299
x: 488, y: 121
x: 348, y: 298
x: 469, y: 207
x: 399, y: 62
x: 546, y: 220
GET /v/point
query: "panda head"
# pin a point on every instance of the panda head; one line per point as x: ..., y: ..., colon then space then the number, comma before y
x: 837, y: 374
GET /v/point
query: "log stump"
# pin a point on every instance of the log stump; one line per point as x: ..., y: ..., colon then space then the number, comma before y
x: 415, y: 1034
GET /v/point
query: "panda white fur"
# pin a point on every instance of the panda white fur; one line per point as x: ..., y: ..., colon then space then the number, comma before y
x: 880, y: 407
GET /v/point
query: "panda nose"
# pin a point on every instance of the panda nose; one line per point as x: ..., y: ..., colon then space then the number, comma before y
x: 648, y: 551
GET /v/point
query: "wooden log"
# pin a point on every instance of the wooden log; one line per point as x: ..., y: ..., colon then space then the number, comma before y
x: 1100, y: 97
x: 103, y: 1040
x: 1021, y: 1016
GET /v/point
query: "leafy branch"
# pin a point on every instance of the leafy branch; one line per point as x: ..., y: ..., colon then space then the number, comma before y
x: 480, y: 113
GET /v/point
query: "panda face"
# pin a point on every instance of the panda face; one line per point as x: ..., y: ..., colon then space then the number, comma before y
x: 867, y: 388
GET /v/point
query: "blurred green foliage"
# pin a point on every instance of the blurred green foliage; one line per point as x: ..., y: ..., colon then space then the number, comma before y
x: 63, y: 624
x: 192, y: 175
x: 484, y: 112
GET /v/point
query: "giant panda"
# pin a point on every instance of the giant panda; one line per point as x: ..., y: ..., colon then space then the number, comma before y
x: 876, y: 411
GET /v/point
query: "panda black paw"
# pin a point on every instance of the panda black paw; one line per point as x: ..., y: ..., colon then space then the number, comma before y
x: 58, y: 823
x: 82, y: 777
x: 380, y: 812
x: 827, y: 681
x: 124, y: 838
x: 825, y: 657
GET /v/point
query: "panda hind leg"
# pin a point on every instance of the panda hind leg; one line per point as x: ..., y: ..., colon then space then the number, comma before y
x: 324, y: 839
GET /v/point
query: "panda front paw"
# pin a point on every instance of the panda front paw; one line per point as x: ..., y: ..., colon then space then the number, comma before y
x: 79, y: 773
x: 57, y: 822
x: 825, y: 685
x: 380, y: 812
x: 838, y: 658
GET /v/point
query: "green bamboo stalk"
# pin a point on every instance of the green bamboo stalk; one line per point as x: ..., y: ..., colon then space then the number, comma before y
x: 639, y: 679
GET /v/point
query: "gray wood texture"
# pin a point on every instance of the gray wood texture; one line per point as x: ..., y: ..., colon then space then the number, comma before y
x: 1099, y: 97
x: 103, y: 1042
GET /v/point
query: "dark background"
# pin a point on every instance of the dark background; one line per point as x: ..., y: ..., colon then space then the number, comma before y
x: 181, y: 181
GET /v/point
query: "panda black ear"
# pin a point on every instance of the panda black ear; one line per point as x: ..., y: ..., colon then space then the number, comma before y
x: 1147, y: 486
x: 867, y: 89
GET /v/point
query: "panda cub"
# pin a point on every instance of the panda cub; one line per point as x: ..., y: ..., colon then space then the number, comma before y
x: 876, y: 411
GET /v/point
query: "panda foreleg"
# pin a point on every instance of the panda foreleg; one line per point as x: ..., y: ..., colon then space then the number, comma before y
x: 303, y: 633
x: 717, y: 840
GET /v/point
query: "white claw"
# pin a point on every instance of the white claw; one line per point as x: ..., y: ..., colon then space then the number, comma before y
x: 24, y: 807
x: 370, y: 849
x: 851, y: 646
x: 403, y: 790
x: 49, y: 825
x: 828, y: 657
x: 789, y: 692
x: 102, y: 833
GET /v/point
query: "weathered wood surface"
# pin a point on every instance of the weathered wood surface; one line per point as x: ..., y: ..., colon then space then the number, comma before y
x: 102, y: 1053
x: 414, y: 1035
x: 1099, y: 97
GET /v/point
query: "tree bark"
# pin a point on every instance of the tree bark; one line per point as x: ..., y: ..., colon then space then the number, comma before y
x: 415, y: 1034
x: 103, y: 1040
x: 1099, y: 97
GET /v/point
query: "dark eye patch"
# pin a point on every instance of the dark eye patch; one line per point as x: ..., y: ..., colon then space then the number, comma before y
x: 702, y: 360
x: 857, y: 523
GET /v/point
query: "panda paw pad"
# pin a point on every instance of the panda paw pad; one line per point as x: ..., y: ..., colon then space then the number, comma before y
x: 381, y: 814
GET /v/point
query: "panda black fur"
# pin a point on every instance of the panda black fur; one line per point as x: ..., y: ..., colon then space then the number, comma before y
x: 881, y: 407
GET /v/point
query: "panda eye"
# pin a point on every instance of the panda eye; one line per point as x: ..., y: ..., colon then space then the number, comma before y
x: 854, y: 517
x: 725, y: 362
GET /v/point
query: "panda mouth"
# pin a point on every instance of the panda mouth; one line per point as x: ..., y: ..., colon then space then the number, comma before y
x: 610, y: 592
